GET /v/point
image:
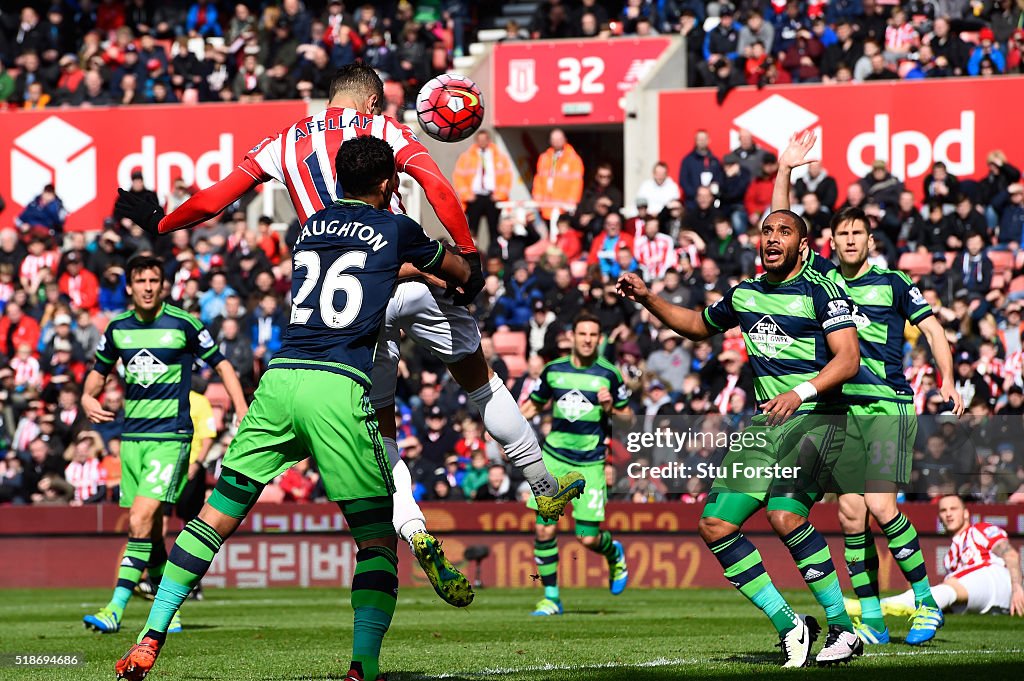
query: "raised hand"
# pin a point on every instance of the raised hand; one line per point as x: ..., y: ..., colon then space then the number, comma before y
x: 795, y: 153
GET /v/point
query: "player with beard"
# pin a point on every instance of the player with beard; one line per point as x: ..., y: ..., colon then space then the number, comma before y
x: 881, y: 431
x: 802, y: 343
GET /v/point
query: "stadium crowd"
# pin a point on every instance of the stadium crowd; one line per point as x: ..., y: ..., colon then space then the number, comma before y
x: 959, y: 237
x: 88, y: 53
x: 689, y: 232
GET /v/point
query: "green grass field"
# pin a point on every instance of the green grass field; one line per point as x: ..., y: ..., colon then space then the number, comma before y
x: 298, y: 634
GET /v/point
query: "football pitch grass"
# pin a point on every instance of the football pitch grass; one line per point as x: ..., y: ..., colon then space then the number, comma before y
x: 655, y: 635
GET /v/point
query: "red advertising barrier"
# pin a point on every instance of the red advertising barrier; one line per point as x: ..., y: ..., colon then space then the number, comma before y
x: 569, y: 82
x: 909, y: 125
x: 87, y: 153
x: 306, y: 545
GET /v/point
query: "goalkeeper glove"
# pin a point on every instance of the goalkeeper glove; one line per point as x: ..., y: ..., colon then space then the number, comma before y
x: 142, y: 212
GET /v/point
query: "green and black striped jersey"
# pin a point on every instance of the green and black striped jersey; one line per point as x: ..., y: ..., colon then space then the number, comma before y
x: 157, y: 358
x: 580, y: 428
x: 884, y: 301
x: 785, y: 325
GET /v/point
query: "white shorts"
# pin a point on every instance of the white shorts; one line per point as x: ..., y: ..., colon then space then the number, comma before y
x: 987, y: 588
x: 432, y: 321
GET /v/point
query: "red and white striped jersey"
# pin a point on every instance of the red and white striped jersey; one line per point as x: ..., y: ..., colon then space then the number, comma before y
x: 32, y: 264
x: 302, y: 158
x: 656, y: 255
x: 26, y: 371
x: 972, y: 549
x: 86, y: 478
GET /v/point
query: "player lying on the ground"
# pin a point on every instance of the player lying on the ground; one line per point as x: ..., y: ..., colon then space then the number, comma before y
x: 802, y: 341
x: 881, y: 433
x: 313, y: 400
x: 157, y: 344
x: 983, y: 571
x: 433, y: 320
x: 587, y: 393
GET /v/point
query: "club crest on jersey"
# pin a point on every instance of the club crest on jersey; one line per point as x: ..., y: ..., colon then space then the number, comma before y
x: 860, y: 319
x: 574, y: 405
x: 769, y: 337
x: 145, y: 368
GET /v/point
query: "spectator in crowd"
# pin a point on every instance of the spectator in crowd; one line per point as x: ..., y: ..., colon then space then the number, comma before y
x: 558, y: 181
x: 759, y: 194
x: 17, y: 329
x: 940, y: 186
x: 734, y: 189
x: 658, y: 190
x: 973, y: 266
x: 845, y: 51
x: 498, y: 487
x: 509, y: 245
x: 483, y: 178
x: 602, y: 250
x: 820, y: 183
x: 601, y: 187
x: 748, y: 154
x: 986, y: 51
x: 967, y: 218
x: 699, y: 168
x: 1010, y: 204
x: 880, y: 186
x: 45, y: 214
x: 654, y: 251
x: 515, y: 308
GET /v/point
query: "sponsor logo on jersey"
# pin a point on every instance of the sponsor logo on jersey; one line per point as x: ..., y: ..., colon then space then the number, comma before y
x: 838, y: 312
x: 916, y: 297
x: 574, y: 405
x: 859, y: 318
x: 145, y: 368
x: 768, y: 337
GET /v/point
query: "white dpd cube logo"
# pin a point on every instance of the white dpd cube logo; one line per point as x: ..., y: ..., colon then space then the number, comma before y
x: 772, y: 122
x: 57, y: 153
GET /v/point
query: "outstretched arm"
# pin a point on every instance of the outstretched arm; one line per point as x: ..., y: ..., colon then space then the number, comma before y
x: 206, y: 203
x: 686, y: 323
x: 793, y: 156
x: 443, y: 199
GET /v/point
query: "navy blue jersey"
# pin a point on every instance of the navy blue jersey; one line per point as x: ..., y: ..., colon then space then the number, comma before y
x: 784, y: 327
x: 345, y: 264
x: 157, y: 358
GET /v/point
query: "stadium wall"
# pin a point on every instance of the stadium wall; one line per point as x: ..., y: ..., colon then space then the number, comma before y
x: 308, y: 545
x: 908, y: 124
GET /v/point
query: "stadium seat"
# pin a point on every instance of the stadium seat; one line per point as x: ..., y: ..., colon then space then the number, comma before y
x: 535, y: 252
x: 1002, y: 261
x: 1017, y: 284
x: 516, y: 365
x: 916, y: 264
x: 509, y: 343
x: 218, y: 396
x: 998, y: 282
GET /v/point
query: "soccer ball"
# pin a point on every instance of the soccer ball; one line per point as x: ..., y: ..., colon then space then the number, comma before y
x: 450, y: 107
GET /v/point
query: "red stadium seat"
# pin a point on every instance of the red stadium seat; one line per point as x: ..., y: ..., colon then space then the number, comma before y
x: 218, y: 396
x: 509, y: 343
x: 516, y: 365
x: 1017, y: 284
x: 535, y: 252
x: 916, y: 264
x: 1002, y: 261
x: 998, y: 282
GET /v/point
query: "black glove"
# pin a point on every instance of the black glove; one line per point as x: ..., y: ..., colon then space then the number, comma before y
x: 474, y: 285
x: 142, y: 212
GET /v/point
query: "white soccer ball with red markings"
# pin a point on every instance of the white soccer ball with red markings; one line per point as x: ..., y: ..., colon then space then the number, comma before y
x: 450, y: 107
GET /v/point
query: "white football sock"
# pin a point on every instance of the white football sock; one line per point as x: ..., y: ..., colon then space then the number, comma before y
x: 506, y: 424
x: 906, y: 598
x: 408, y: 518
x: 944, y: 595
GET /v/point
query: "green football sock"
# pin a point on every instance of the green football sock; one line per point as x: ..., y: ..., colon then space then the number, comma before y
x: 190, y: 558
x: 810, y: 552
x: 545, y: 554
x: 906, y: 549
x: 605, y: 546
x: 374, y: 597
x: 862, y: 562
x: 136, y: 556
x: 157, y: 561
x: 744, y: 569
